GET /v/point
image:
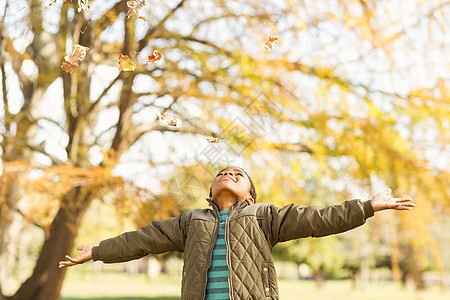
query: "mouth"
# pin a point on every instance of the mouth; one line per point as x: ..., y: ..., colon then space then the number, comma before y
x: 228, y: 178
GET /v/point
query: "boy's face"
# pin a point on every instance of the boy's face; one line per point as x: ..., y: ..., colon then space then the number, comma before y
x: 233, y: 181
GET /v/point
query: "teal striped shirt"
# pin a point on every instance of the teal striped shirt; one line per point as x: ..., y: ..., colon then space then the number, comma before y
x: 217, y: 286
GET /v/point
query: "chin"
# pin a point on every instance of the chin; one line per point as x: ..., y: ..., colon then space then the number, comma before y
x: 226, y: 190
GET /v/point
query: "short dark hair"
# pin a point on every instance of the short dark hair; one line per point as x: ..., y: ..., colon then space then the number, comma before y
x: 252, y: 186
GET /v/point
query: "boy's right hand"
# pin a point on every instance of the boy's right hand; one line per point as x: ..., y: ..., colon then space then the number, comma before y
x: 84, y: 256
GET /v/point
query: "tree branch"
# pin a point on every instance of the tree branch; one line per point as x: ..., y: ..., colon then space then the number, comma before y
x: 143, y: 42
x: 291, y: 147
x: 2, y: 67
x: 110, y: 16
x: 105, y: 91
x: 144, y: 128
x: 19, y: 142
x: 4, y: 91
x: 32, y: 222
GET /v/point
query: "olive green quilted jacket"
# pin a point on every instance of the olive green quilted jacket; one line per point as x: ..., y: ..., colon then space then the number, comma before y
x: 250, y: 233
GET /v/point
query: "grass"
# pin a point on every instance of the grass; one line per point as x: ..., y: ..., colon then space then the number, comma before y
x: 82, y: 284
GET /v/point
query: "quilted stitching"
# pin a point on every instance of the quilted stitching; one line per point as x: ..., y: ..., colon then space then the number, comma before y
x: 248, y: 252
x: 196, y: 259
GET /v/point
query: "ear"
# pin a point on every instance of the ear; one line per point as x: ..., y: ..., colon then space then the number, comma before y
x: 250, y: 200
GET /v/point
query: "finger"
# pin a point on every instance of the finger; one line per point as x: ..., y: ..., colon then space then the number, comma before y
x: 72, y: 259
x: 65, y: 263
x: 404, y: 206
x: 404, y: 201
x: 398, y: 200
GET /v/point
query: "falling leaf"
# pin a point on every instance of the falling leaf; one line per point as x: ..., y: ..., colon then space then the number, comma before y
x: 72, y: 60
x: 125, y: 63
x: 156, y: 55
x: 134, y: 7
x: 83, y: 5
x: 142, y: 18
x: 213, y: 140
x: 273, y: 40
x: 68, y: 67
x: 169, y: 120
x: 51, y: 3
x: 78, y: 54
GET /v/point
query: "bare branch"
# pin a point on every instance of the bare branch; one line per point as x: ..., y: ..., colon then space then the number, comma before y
x: 105, y: 91
x: 19, y: 142
x: 143, y: 42
x: 148, y: 127
x: 110, y: 16
x: 4, y: 91
x: 290, y: 147
x: 2, y: 66
x: 32, y: 222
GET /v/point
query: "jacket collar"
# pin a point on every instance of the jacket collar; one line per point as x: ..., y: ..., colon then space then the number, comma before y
x: 238, y: 205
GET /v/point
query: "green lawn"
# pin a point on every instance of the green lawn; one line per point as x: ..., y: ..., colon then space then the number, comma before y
x: 114, y: 285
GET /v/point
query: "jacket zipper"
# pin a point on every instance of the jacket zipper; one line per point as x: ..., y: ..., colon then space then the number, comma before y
x: 227, y: 230
x: 213, y: 242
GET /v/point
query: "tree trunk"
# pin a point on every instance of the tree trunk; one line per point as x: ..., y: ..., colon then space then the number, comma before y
x: 46, y: 281
x: 319, y: 277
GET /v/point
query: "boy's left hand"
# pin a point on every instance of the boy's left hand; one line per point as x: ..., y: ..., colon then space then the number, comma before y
x: 384, y: 200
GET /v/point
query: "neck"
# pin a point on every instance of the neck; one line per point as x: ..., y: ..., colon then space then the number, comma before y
x: 224, y: 205
x: 225, y: 201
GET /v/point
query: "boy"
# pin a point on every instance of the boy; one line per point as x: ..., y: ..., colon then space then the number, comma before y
x: 227, y: 249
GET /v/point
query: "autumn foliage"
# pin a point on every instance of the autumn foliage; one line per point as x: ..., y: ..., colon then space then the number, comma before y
x: 318, y: 101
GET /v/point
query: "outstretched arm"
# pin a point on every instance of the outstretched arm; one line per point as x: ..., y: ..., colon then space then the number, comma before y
x: 157, y: 237
x: 84, y: 256
x: 296, y: 221
x: 384, y: 201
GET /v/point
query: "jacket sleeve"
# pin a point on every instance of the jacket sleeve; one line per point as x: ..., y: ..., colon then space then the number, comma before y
x: 296, y: 221
x: 157, y: 237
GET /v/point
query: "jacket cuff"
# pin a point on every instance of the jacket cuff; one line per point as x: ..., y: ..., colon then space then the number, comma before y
x: 368, y: 209
x: 95, y: 251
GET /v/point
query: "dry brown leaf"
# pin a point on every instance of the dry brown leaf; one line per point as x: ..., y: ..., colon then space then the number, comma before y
x: 68, y: 67
x: 214, y: 140
x: 134, y: 7
x: 83, y: 5
x: 125, y: 63
x: 78, y: 54
x: 273, y: 40
x: 72, y: 60
x: 51, y: 3
x: 167, y: 119
x: 156, y: 55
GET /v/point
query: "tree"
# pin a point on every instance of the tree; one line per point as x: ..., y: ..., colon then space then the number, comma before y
x: 316, y: 115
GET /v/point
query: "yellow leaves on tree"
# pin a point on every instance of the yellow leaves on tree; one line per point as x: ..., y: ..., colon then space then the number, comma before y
x: 9, y: 170
x: 59, y: 180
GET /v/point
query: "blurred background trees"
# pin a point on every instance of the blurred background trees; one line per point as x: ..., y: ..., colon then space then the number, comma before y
x: 353, y: 99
